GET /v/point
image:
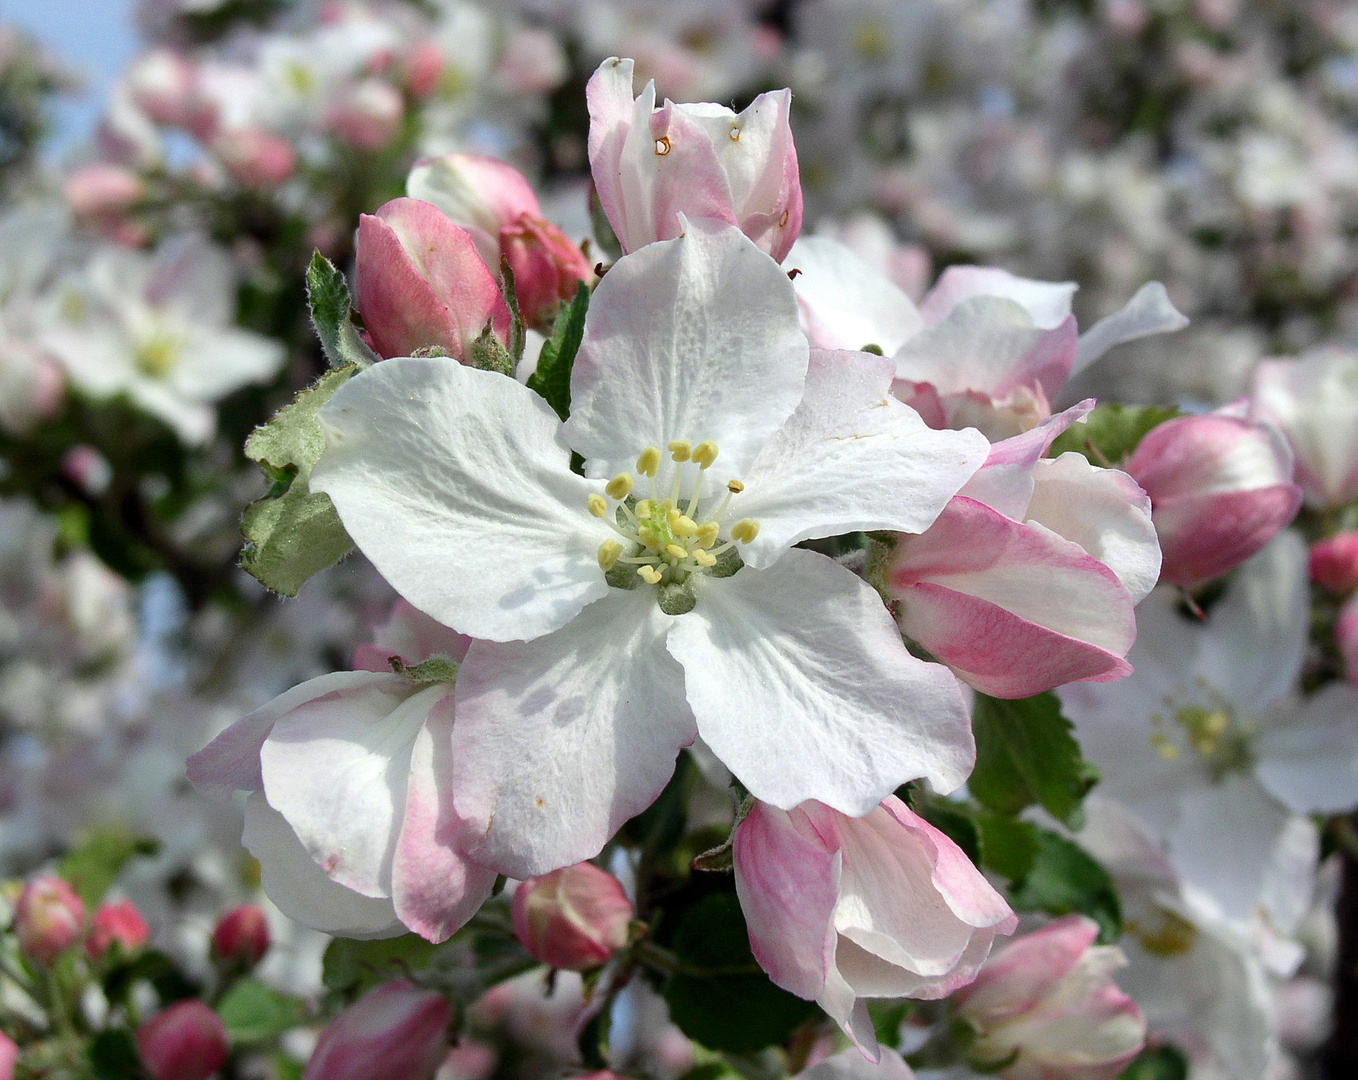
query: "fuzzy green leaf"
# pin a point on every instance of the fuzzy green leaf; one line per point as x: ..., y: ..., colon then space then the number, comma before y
x: 327, y: 296
x: 552, y: 379
x: 252, y: 1012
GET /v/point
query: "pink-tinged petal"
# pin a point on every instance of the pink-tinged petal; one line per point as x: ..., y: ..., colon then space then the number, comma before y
x: 687, y: 180
x: 852, y: 1065
x: 411, y: 636
x: 231, y: 761
x: 1202, y: 537
x: 845, y: 302
x: 1028, y: 968
x: 1005, y: 482
x: 434, y: 887
x: 787, y: 879
x: 1012, y: 608
x: 300, y: 888
x: 1047, y: 302
x: 1314, y: 402
x: 801, y: 686
x: 851, y: 457
x: 1311, y: 764
x: 1104, y: 511
x: 481, y: 194
x: 337, y: 769
x: 1148, y: 312
x: 613, y: 116
x: 453, y: 482
x: 694, y: 338
x: 561, y: 739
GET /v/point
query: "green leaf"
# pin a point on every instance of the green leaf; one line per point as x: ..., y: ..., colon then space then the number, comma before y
x: 1111, y: 432
x: 327, y: 296
x: 1065, y: 879
x: 1026, y: 755
x: 721, y: 999
x: 113, y: 1056
x: 552, y: 379
x: 353, y: 966
x: 93, y: 864
x: 1162, y: 1062
x: 1008, y: 845
x: 293, y: 532
x: 154, y: 967
x: 252, y: 1012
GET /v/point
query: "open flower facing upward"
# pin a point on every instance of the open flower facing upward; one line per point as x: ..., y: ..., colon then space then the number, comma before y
x: 658, y: 597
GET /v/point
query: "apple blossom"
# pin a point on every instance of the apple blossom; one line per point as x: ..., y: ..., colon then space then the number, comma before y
x: 394, y: 1030
x: 840, y: 909
x: 652, y: 165
x: 420, y: 283
x: 48, y: 918
x: 116, y: 922
x: 1047, y: 1005
x: 184, y: 1042
x: 573, y: 918
x: 614, y: 631
x: 241, y: 936
x: 1220, y: 488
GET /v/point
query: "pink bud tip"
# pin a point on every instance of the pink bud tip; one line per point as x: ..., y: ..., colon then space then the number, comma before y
x: 574, y: 918
x: 242, y: 936
x: 48, y: 918
x: 117, y: 921
x: 1334, y: 563
x: 184, y: 1042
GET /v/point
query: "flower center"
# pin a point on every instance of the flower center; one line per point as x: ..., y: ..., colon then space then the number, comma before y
x: 1212, y: 732
x: 157, y: 353
x: 666, y: 538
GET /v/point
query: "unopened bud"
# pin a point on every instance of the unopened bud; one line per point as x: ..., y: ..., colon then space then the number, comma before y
x: 368, y: 115
x: 1334, y: 563
x: 255, y: 158
x: 242, y: 936
x: 117, y: 922
x: 547, y: 267
x: 574, y: 918
x: 184, y: 1042
x: 9, y: 1056
x: 397, y: 1030
x: 48, y: 919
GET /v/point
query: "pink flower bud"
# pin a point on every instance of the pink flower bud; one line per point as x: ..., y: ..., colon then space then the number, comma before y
x: 422, y: 68
x: 395, y: 1030
x: 103, y: 190
x: 184, y: 1042
x: 9, y: 1056
x: 1048, y: 1000
x: 651, y: 165
x: 532, y: 62
x: 116, y: 921
x: 421, y: 284
x: 368, y: 114
x: 48, y: 919
x: 242, y: 936
x: 255, y: 158
x: 1334, y: 563
x: 574, y: 918
x: 1220, y: 488
x: 163, y: 84
x: 480, y: 194
x: 547, y: 267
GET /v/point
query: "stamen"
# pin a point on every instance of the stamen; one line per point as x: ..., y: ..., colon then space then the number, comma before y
x: 598, y: 506
x: 745, y: 530
x: 704, y: 454
x: 644, y: 508
x: 707, y: 533
x: 676, y: 551
x: 682, y: 524
x: 704, y: 558
x: 680, y: 449
x: 609, y: 551
x: 620, y: 486
x: 735, y: 487
x: 649, y: 574
x: 649, y: 462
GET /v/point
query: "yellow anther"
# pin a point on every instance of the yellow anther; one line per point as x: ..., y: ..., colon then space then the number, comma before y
x: 644, y: 508
x: 745, y: 530
x: 609, y: 551
x: 620, y: 486
x: 649, y: 461
x: 598, y: 505
x: 680, y: 449
x: 647, y: 536
x: 735, y: 487
x: 662, y: 147
x: 707, y: 533
x: 667, y: 505
x: 649, y: 574
x: 676, y: 551
x: 1166, y: 749
x: 682, y: 525
x: 704, y: 454
x: 704, y: 558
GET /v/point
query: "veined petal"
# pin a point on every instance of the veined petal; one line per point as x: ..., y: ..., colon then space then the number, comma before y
x: 435, y: 888
x: 802, y: 687
x: 300, y: 888
x: 1047, y: 302
x: 845, y: 302
x: 1005, y: 482
x: 694, y: 338
x: 979, y: 346
x: 452, y: 481
x: 852, y: 457
x: 337, y: 768
x: 562, y: 739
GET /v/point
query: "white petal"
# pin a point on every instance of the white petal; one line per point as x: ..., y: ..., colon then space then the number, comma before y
x: 562, y: 739
x: 1148, y: 312
x: 337, y: 769
x: 802, y: 687
x: 847, y: 303
x: 852, y: 1065
x: 852, y: 457
x: 1310, y: 765
x: 452, y: 481
x: 977, y: 347
x: 1047, y: 302
x: 300, y: 888
x: 217, y: 360
x: 694, y: 338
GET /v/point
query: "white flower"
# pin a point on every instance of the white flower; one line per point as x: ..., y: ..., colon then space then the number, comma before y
x: 621, y: 618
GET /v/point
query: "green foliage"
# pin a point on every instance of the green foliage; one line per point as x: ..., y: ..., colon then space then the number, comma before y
x: 1064, y: 879
x: 720, y: 997
x: 1162, y: 1062
x: 293, y: 532
x: 1008, y: 846
x: 552, y: 379
x: 332, y: 315
x: 1026, y: 755
x: 354, y: 966
x: 1111, y: 432
x: 113, y: 1056
x: 154, y: 967
x: 253, y: 1012
x: 93, y: 864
